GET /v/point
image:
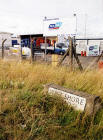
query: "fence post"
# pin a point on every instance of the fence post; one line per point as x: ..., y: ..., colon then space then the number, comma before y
x: 32, y: 49
x: 32, y: 53
x: 0, y: 102
x: 71, y: 53
x: 3, y: 48
x: 45, y: 49
x: 21, y: 52
x: 75, y: 55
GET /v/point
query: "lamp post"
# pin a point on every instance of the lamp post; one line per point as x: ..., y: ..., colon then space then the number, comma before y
x: 85, y: 34
x: 75, y: 15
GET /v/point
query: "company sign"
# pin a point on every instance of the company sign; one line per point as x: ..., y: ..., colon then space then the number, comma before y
x: 57, y: 25
x: 61, y: 26
x: 93, y: 50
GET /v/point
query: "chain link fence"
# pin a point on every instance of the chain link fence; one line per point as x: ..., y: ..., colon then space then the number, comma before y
x: 14, y: 53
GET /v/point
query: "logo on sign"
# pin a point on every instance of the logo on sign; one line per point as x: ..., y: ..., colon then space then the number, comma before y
x: 55, y: 26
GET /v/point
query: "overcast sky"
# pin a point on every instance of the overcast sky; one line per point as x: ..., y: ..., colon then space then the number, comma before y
x: 21, y: 16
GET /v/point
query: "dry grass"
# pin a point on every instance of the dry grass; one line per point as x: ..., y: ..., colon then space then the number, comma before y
x: 28, y: 113
x: 27, y: 75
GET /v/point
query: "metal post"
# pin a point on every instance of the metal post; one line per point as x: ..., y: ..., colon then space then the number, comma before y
x: 0, y: 102
x: 71, y: 53
x: 3, y: 48
x: 85, y: 25
x: 21, y: 52
x: 45, y: 49
x: 32, y: 51
x: 45, y: 18
x: 75, y: 55
x: 75, y: 15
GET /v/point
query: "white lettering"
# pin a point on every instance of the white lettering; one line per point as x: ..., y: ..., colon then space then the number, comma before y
x: 76, y: 101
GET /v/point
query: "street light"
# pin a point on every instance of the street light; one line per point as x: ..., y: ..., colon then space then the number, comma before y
x: 45, y: 18
x: 75, y: 15
x: 85, y: 34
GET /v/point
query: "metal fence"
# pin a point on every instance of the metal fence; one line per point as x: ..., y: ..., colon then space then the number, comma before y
x: 8, y: 52
x: 12, y: 53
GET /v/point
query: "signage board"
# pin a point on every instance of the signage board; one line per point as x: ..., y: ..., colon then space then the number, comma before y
x: 75, y: 101
x: 60, y: 26
x: 93, y: 50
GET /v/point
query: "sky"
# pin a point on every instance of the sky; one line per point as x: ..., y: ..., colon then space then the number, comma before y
x: 26, y: 16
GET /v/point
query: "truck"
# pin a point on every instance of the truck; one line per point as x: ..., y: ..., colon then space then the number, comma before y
x: 59, y: 48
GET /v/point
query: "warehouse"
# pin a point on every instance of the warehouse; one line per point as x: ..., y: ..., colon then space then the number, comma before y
x: 27, y: 38
x: 84, y: 43
x: 56, y: 31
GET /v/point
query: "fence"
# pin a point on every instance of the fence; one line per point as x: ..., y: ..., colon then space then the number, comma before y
x: 8, y: 52
x: 14, y: 53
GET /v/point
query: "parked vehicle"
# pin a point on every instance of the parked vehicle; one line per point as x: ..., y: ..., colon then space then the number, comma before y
x: 49, y: 49
x: 60, y: 48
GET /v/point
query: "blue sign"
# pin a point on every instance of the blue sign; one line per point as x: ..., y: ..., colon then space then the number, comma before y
x: 55, y: 26
x: 91, y: 48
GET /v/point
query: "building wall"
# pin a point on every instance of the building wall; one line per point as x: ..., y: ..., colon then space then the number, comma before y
x: 82, y: 45
x: 17, y: 38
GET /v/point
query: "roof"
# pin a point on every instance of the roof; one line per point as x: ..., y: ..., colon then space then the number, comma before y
x: 5, y: 33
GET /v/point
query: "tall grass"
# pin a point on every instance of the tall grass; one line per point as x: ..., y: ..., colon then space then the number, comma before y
x: 25, y: 75
x: 28, y: 113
